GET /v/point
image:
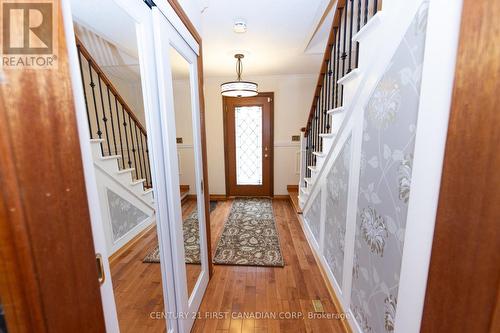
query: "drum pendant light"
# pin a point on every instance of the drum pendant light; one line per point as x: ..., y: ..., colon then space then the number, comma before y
x: 239, y: 88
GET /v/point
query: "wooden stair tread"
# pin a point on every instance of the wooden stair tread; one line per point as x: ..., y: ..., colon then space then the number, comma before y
x: 294, y: 198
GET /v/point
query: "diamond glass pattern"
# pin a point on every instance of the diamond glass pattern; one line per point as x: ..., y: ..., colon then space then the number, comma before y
x: 248, y: 128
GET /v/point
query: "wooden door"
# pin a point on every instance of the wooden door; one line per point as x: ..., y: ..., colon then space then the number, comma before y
x: 248, y: 126
x: 48, y: 272
x: 463, y: 288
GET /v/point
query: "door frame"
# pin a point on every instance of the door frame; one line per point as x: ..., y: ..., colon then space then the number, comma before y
x: 271, y: 145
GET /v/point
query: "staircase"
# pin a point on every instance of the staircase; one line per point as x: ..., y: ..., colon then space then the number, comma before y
x: 335, y: 88
x: 357, y: 158
x: 119, y: 146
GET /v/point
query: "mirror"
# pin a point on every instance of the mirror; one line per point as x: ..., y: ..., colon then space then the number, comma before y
x: 113, y: 80
x: 187, y: 167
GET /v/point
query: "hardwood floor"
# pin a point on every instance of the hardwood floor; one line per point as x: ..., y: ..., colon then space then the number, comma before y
x: 289, y: 290
x: 137, y: 285
x: 234, y: 291
x: 138, y: 288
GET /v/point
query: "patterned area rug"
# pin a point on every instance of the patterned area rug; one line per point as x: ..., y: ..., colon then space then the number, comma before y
x: 190, y: 228
x: 250, y: 236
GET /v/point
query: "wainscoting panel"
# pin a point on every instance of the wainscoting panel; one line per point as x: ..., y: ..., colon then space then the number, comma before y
x: 337, y: 189
x: 124, y: 216
x: 358, y: 207
x: 389, y: 127
x: 313, y: 217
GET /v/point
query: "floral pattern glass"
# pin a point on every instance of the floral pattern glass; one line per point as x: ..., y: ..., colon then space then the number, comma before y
x: 248, y: 129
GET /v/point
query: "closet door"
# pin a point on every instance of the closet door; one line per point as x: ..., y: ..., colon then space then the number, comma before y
x: 176, y: 56
x: 119, y: 35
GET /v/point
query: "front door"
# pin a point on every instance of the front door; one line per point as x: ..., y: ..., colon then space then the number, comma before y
x: 249, y: 145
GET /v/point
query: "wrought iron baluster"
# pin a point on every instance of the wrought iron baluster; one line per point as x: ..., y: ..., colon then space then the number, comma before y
x: 308, y: 142
x: 314, y: 146
x: 112, y: 120
x: 329, y: 95
x: 133, y: 146
x: 84, y: 90
x: 139, y: 152
x: 119, y: 130
x: 334, y: 62
x: 339, y: 31
x: 344, y: 54
x: 366, y: 12
x: 320, y: 114
x: 318, y: 147
x: 144, y: 157
x: 92, y: 85
x: 357, y: 30
x: 325, y: 107
x: 126, y: 136
x: 104, y: 118
x: 325, y: 99
x: 316, y: 127
x: 350, y: 34
x: 149, y: 162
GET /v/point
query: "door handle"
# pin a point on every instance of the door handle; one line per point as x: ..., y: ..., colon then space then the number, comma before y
x: 101, y: 274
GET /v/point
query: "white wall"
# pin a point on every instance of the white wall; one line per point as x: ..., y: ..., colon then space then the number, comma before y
x: 292, y: 100
x: 184, y: 130
x: 131, y: 92
x: 193, y: 11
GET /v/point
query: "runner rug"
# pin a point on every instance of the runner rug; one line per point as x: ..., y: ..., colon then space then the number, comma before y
x: 191, y: 230
x: 250, y: 236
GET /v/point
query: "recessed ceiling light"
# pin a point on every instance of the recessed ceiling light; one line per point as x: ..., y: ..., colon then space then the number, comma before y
x: 240, y: 26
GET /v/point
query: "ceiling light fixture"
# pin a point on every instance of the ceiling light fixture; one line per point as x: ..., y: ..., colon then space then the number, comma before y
x: 239, y: 88
x: 240, y: 26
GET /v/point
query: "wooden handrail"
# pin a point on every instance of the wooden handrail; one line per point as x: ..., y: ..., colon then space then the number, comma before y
x: 109, y: 84
x: 336, y: 26
x: 327, y: 56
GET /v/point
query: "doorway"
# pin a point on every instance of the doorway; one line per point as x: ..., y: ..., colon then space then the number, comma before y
x: 248, y: 142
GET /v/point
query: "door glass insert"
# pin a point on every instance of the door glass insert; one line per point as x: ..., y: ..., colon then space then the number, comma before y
x: 248, y: 129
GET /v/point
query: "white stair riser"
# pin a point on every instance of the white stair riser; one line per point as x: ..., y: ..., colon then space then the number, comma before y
x: 124, y: 177
x: 148, y: 197
x: 111, y: 166
x: 138, y: 188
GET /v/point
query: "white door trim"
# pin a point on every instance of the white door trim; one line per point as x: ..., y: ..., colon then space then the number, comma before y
x: 166, y: 9
x: 166, y: 36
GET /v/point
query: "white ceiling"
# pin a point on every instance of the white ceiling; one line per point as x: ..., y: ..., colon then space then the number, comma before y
x: 283, y: 36
x: 277, y: 40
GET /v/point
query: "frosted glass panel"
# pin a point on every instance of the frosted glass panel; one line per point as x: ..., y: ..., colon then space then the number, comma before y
x: 248, y: 145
